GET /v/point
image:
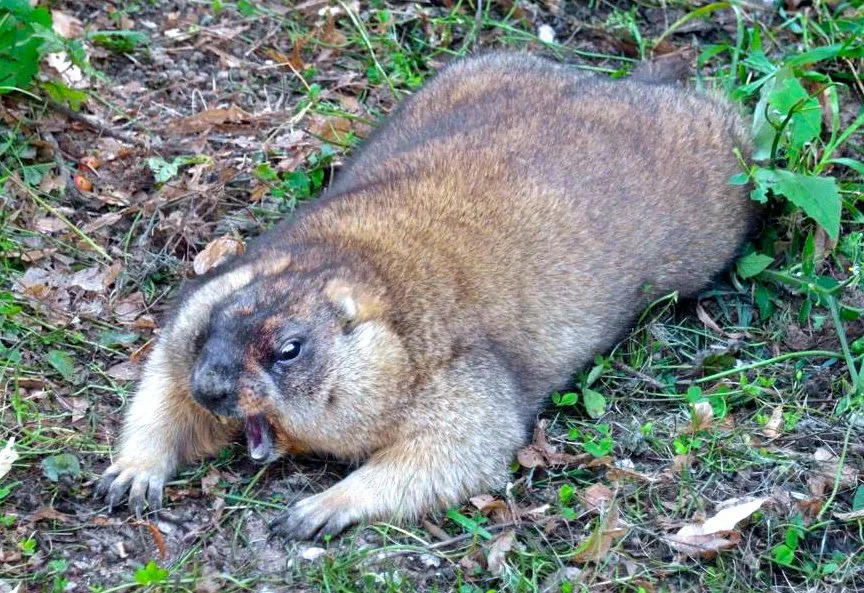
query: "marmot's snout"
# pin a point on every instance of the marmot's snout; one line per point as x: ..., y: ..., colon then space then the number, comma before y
x: 214, y: 379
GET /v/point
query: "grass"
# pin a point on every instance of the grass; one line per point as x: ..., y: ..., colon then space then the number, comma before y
x: 780, y: 354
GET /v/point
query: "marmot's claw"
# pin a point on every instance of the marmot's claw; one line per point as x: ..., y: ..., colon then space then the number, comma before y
x: 313, y: 518
x: 145, y: 489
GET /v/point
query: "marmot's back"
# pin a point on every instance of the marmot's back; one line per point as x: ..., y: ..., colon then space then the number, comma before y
x: 562, y: 202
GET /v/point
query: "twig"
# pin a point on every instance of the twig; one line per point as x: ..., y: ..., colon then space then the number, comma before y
x: 638, y: 374
x: 96, y: 125
x: 153, y: 143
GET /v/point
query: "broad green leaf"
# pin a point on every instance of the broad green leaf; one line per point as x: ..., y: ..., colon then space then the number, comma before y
x: 110, y: 337
x: 858, y: 499
x: 565, y: 493
x: 763, y: 131
x: 806, y: 123
x: 150, y: 574
x: 64, y: 95
x: 808, y: 265
x: 595, y: 373
x: 792, y: 538
x: 62, y: 363
x: 564, y: 399
x: 763, y: 298
x: 59, y: 465
x: 750, y: 265
x: 739, y: 179
x: 599, y: 448
x: 124, y: 41
x: 595, y: 403
x: 817, y: 196
x: 694, y: 394
x: 783, y: 554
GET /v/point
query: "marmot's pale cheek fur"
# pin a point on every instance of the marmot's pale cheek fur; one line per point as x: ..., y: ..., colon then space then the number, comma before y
x: 506, y: 224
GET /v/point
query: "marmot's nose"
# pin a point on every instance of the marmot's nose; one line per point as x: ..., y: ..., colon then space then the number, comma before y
x: 215, y: 378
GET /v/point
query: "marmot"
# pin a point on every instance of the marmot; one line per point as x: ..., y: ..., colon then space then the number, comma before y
x: 505, y: 225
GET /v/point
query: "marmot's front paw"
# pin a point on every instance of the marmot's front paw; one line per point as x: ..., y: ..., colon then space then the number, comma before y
x: 143, y: 480
x: 327, y: 513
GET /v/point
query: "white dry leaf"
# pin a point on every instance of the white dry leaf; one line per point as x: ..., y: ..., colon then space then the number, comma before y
x: 89, y: 279
x: 216, y: 252
x: 79, y: 407
x: 49, y: 224
x: 69, y: 72
x: 853, y: 516
x: 701, y: 416
x: 546, y: 34
x: 716, y: 533
x: 66, y: 25
x: 312, y: 554
x: 34, y: 276
x: 498, y: 550
x: 772, y: 427
x: 8, y: 456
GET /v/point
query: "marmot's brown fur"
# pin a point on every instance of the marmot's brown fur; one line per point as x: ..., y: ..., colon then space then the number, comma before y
x: 505, y: 225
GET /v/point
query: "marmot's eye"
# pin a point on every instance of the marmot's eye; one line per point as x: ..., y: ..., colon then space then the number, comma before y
x: 289, y: 351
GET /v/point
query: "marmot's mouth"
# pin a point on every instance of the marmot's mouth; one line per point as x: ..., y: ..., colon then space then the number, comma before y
x: 259, y: 437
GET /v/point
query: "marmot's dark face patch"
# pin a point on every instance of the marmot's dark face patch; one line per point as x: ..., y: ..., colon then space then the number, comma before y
x: 263, y: 349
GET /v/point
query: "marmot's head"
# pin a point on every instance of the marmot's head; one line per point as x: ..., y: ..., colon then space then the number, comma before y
x: 306, y: 360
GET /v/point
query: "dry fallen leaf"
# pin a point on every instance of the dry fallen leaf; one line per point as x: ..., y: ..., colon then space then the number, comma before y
x: 90, y: 162
x: 706, y: 319
x: 597, y: 497
x: 124, y: 371
x: 49, y: 514
x: 331, y: 129
x: 49, y: 224
x: 491, y: 506
x: 216, y: 252
x: 772, y: 427
x: 127, y: 309
x: 8, y: 456
x: 827, y: 470
x: 88, y: 279
x: 596, y: 547
x: 66, y: 25
x: 209, y: 482
x: 211, y: 117
x: 83, y: 183
x: 716, y: 533
x: 498, y: 549
x: 105, y: 220
x: 71, y: 74
x: 681, y: 463
x: 540, y: 453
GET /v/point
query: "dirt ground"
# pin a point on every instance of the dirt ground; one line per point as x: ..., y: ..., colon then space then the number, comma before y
x: 261, y: 106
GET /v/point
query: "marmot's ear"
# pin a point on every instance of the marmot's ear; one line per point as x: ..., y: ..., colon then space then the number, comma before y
x: 354, y: 303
